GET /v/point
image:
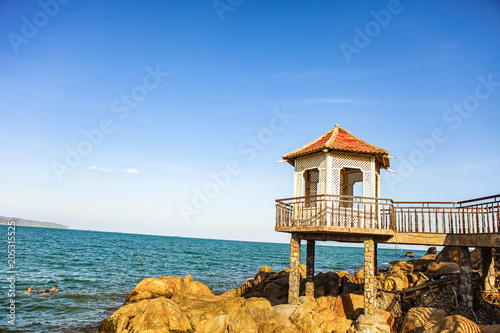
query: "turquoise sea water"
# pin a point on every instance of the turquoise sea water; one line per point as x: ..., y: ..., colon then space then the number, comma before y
x: 95, y: 271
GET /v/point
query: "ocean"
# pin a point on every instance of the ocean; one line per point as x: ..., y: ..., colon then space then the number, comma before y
x: 95, y: 271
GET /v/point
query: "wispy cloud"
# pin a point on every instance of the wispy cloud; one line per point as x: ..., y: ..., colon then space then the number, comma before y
x: 132, y: 171
x: 100, y: 169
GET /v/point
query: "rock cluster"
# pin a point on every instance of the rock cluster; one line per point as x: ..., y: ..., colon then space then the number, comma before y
x: 173, y: 304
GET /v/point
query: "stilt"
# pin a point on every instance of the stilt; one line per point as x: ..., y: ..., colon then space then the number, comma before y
x: 294, y: 276
x: 370, y: 282
x: 465, y: 276
x: 488, y: 273
x: 310, y: 268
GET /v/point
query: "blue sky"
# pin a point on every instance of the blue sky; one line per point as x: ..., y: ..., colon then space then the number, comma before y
x: 171, y: 93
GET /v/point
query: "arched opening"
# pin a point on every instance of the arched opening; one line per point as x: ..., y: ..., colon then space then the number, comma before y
x: 311, y: 180
x: 351, y: 184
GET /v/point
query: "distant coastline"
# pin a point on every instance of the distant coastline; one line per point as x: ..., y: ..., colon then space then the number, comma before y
x: 31, y: 223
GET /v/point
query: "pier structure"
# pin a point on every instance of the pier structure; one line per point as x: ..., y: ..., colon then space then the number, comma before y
x: 336, y: 198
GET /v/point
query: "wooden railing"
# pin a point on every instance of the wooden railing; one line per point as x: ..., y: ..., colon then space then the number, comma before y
x: 334, y: 211
x: 474, y: 216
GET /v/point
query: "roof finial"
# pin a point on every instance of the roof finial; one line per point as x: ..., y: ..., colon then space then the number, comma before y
x: 337, y: 125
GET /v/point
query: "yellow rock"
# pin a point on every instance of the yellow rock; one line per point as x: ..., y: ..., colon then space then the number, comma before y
x: 302, y: 318
x: 417, y: 317
x: 261, y: 321
x: 230, y: 293
x: 188, y: 279
x: 244, y: 322
x: 151, y: 288
x: 452, y: 324
x: 266, y: 269
x: 156, y: 315
x: 257, y: 302
x: 337, y: 325
x: 197, y: 288
x: 360, y: 274
x: 217, y: 324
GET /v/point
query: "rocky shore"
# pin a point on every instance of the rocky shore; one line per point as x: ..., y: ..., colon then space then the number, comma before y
x: 420, y: 295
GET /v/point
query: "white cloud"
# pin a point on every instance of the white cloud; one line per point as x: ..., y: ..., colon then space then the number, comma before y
x: 100, y: 169
x: 132, y: 171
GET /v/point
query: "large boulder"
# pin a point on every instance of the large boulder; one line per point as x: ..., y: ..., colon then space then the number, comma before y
x: 337, y: 325
x: 197, y: 288
x: 255, y: 302
x: 326, y: 310
x: 261, y: 320
x: 360, y: 274
x: 443, y: 268
x: 200, y: 310
x: 150, y: 315
x: 416, y: 318
x: 404, y: 266
x: 216, y: 324
x: 350, y: 284
x: 431, y: 250
x: 265, y: 269
x: 396, y: 277
x: 303, y: 319
x: 421, y: 264
x: 452, y: 324
x: 453, y: 254
x: 285, y: 309
x: 376, y: 323
x: 149, y: 288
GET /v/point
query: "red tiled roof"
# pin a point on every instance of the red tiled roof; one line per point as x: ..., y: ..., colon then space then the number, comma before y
x: 337, y: 139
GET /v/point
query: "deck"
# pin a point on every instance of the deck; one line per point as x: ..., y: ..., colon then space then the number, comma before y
x: 472, y: 223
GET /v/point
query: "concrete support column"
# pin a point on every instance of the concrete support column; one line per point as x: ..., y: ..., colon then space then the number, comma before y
x: 465, y: 276
x: 294, y: 276
x: 370, y: 280
x: 488, y: 273
x: 310, y: 268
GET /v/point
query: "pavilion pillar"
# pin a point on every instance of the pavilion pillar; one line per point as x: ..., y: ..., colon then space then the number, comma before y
x: 310, y: 268
x: 370, y: 279
x: 465, y: 276
x: 488, y: 273
x: 294, y: 275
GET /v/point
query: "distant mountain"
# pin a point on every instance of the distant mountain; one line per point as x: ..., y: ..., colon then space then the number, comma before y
x: 31, y: 223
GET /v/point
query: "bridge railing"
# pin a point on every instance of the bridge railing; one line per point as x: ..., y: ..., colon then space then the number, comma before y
x: 481, y: 215
x: 474, y: 216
